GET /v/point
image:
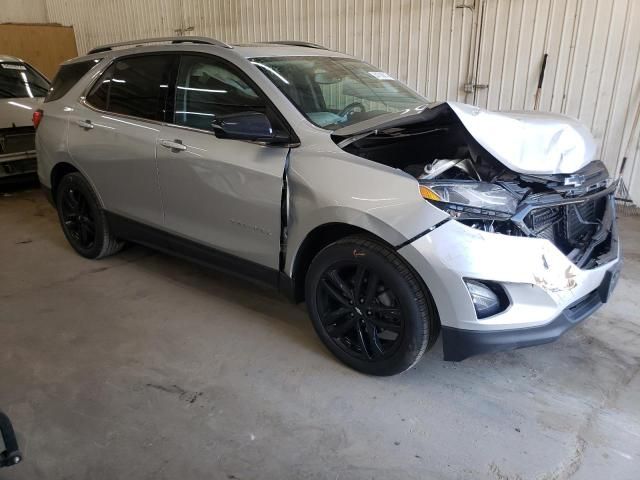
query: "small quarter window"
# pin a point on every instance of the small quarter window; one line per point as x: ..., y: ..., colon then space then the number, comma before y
x: 67, y: 77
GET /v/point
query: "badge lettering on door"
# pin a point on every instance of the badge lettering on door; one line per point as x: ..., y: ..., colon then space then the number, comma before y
x: 254, y: 228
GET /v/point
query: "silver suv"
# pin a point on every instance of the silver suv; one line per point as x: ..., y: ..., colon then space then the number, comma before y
x: 394, y: 218
x: 22, y: 89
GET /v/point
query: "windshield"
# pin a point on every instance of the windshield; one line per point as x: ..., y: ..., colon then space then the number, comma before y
x: 18, y: 80
x: 333, y: 92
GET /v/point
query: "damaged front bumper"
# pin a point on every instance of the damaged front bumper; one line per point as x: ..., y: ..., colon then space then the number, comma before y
x: 546, y: 292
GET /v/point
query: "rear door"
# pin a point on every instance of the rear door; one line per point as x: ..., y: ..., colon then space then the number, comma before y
x: 113, y: 133
x: 51, y: 137
x: 221, y: 193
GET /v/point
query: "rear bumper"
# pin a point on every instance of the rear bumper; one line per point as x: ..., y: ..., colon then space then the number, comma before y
x: 459, y: 344
x: 20, y: 163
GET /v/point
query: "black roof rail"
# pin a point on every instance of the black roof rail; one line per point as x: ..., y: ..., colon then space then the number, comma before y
x: 296, y: 43
x: 201, y: 40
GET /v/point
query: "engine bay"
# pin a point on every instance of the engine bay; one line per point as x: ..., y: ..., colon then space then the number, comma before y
x: 458, y: 175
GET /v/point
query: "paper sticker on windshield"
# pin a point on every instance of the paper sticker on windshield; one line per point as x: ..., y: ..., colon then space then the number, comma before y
x: 381, y: 75
x: 10, y: 66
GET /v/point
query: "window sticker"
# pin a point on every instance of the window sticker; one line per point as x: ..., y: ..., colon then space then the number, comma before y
x: 10, y: 66
x: 381, y: 75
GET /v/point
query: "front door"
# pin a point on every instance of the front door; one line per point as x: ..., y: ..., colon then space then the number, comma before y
x: 220, y: 193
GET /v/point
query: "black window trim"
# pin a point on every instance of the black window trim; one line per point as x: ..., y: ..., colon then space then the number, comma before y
x: 103, y: 70
x: 169, y: 109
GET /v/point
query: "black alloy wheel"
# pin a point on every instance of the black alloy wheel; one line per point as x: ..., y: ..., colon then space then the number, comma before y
x: 77, y: 217
x: 359, y: 312
x: 82, y: 219
x: 369, y: 308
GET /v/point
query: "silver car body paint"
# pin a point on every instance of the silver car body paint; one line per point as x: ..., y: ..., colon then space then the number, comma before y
x: 235, y: 206
x: 17, y: 112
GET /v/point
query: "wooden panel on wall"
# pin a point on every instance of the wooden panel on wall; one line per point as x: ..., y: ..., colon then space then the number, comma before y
x: 44, y: 46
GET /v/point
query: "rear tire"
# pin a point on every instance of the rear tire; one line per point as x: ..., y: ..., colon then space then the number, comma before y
x: 369, y: 307
x: 82, y: 219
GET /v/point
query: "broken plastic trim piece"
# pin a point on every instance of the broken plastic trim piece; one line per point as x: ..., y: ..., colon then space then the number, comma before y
x: 420, y: 235
x: 528, y: 207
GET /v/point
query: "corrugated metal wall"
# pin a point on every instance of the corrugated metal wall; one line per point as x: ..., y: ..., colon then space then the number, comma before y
x: 435, y: 46
x: 23, y: 11
x: 592, y: 71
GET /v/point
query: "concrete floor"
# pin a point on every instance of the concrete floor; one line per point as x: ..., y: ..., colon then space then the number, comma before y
x: 143, y: 366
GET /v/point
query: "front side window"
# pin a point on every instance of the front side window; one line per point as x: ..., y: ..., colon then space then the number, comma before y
x: 18, y: 80
x: 135, y: 86
x: 208, y: 87
x: 334, y: 92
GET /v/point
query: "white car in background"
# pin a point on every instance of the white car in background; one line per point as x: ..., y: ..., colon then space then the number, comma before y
x: 22, y: 89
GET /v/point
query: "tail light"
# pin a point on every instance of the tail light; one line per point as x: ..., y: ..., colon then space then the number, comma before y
x: 37, y: 118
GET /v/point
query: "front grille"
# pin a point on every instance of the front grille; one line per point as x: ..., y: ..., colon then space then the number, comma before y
x: 575, y: 228
x: 542, y: 222
x: 581, y: 221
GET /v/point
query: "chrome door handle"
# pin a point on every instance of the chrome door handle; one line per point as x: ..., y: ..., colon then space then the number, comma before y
x: 174, y: 145
x: 86, y: 124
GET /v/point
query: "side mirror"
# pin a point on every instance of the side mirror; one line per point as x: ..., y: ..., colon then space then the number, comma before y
x: 253, y: 126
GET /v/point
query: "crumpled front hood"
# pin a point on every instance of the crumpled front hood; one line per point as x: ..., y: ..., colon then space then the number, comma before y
x: 18, y: 111
x: 525, y: 142
x: 529, y: 142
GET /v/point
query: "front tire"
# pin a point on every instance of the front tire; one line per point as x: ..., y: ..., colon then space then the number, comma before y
x: 83, y: 221
x: 368, y: 306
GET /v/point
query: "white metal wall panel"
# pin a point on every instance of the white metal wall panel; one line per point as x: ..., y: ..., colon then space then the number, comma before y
x: 425, y: 43
x: 23, y: 11
x: 435, y: 46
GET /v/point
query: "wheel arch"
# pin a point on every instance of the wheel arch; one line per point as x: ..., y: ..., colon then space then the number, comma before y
x: 316, y: 240
x: 57, y: 173
x: 63, y: 168
x: 319, y: 238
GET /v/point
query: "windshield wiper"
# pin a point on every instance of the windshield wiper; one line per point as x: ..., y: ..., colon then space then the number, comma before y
x: 399, y: 134
x: 355, y: 138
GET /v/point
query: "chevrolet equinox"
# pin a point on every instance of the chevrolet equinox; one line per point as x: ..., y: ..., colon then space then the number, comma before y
x: 394, y: 218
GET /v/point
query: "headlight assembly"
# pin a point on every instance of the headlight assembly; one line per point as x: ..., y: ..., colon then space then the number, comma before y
x: 471, y: 199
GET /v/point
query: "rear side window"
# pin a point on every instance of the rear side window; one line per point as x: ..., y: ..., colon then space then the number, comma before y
x: 18, y: 80
x: 67, y: 77
x: 135, y: 86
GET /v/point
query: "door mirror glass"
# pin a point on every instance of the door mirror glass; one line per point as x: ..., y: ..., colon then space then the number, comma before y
x: 243, y: 126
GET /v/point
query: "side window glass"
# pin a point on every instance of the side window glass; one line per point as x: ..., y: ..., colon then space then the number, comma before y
x: 67, y: 77
x: 207, y: 87
x: 99, y: 93
x: 135, y: 86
